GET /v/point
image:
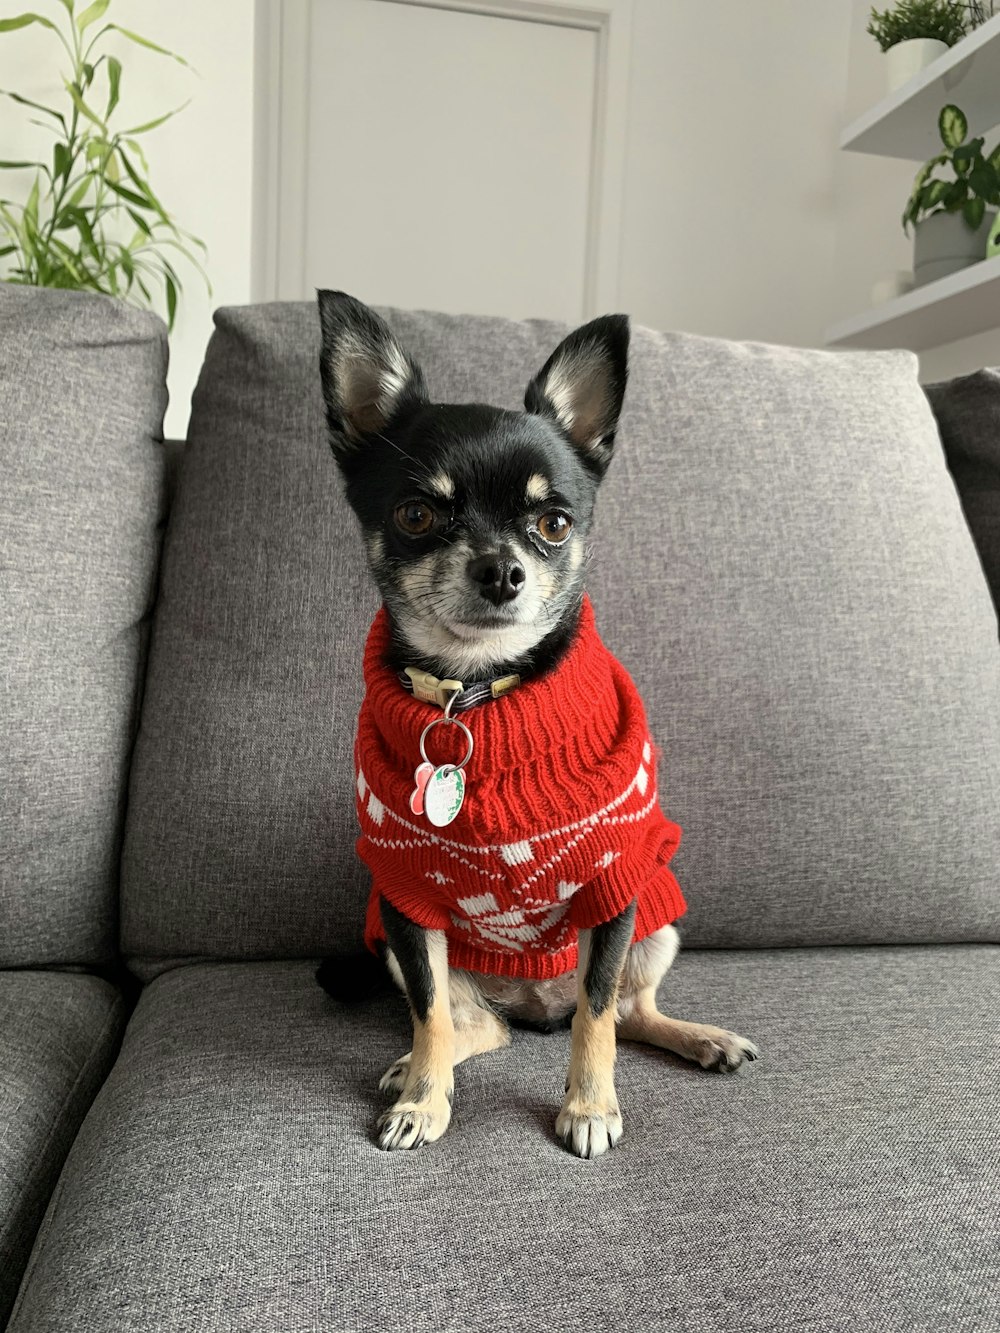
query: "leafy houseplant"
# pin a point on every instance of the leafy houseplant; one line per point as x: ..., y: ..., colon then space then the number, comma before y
x: 934, y: 20
x: 976, y: 182
x: 950, y: 215
x: 91, y: 220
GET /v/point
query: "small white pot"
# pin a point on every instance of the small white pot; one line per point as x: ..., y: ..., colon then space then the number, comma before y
x: 906, y: 59
x: 944, y: 244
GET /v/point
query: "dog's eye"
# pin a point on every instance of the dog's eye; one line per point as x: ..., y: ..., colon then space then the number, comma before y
x: 414, y: 518
x: 555, y: 528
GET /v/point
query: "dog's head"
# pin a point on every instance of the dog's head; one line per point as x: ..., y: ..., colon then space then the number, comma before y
x: 475, y: 518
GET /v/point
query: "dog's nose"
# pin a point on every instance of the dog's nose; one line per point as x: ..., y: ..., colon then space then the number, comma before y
x: 500, y: 577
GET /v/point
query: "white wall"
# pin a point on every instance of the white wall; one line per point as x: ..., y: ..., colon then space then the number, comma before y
x: 741, y: 218
x: 730, y: 214
x: 200, y: 162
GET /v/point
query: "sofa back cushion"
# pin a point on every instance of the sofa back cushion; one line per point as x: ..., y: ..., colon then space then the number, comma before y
x: 780, y: 560
x: 968, y: 416
x: 82, y: 396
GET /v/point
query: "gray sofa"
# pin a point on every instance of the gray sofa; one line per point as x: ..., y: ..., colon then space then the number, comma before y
x: 782, y: 562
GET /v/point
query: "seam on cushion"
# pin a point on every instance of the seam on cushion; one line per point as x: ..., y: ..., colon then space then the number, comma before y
x: 85, y: 1069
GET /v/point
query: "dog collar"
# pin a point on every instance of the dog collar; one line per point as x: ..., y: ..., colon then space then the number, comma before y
x: 422, y: 685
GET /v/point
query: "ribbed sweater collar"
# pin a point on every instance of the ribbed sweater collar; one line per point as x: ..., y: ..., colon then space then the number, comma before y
x: 575, y: 703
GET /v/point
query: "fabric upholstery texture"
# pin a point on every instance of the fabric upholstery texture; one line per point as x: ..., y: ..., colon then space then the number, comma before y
x: 968, y: 416
x: 58, y: 1036
x: 225, y: 1178
x: 781, y: 562
x: 81, y: 406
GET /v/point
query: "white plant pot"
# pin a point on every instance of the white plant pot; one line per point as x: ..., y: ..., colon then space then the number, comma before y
x: 944, y: 244
x: 906, y: 59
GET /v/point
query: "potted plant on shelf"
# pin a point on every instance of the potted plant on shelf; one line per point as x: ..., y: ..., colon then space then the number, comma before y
x: 90, y: 219
x: 915, y: 32
x: 952, y: 217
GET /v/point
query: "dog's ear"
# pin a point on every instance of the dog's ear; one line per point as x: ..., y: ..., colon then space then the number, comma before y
x: 582, y: 385
x: 368, y: 380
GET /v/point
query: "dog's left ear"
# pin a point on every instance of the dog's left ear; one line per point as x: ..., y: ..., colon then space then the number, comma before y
x: 368, y: 380
x: 582, y: 385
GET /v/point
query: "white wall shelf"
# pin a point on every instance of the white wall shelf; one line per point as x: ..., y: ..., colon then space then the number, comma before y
x: 904, y: 124
x: 955, y: 307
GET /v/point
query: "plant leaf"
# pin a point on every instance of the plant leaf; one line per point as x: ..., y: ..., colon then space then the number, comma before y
x: 136, y: 147
x: 22, y: 21
x: 983, y: 180
x: 114, y: 82
x: 973, y: 211
x: 62, y: 161
x: 12, y: 166
x: 151, y: 46
x: 152, y: 124
x: 31, y: 207
x: 964, y: 158
x: 82, y: 106
x: 26, y: 101
x: 140, y: 222
x: 171, y: 289
x: 80, y: 191
x: 130, y: 195
x: 92, y: 13
x: 143, y: 187
x: 953, y: 126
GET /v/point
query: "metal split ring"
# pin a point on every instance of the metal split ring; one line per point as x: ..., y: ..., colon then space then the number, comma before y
x: 452, y: 721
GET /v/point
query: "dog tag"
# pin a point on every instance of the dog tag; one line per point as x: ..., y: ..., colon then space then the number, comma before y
x: 444, y: 794
x: 420, y: 778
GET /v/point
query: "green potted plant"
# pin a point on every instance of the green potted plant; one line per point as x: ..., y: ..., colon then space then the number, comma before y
x: 915, y: 33
x: 952, y: 214
x: 90, y: 219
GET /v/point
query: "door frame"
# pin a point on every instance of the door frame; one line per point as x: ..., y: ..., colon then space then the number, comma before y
x: 281, y: 126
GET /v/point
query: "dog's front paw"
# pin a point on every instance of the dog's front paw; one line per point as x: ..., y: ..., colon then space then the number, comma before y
x: 589, y: 1129
x: 410, y: 1124
x: 715, y: 1048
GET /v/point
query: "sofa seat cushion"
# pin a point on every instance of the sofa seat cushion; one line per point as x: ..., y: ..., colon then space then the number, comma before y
x: 58, y: 1037
x: 225, y: 1178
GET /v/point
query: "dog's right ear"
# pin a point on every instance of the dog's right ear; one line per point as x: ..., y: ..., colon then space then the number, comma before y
x: 368, y: 380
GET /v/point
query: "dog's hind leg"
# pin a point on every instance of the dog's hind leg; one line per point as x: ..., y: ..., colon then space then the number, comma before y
x: 423, y: 1111
x: 640, y: 1020
x: 477, y: 1027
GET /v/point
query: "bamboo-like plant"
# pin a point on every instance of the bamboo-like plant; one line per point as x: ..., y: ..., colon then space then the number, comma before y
x: 91, y: 221
x: 976, y: 183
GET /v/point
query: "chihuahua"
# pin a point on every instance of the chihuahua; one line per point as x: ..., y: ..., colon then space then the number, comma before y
x: 505, y: 776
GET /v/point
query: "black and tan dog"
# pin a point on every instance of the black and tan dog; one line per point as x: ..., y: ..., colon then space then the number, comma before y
x: 475, y: 521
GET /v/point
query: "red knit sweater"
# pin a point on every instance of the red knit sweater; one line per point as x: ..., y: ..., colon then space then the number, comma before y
x: 560, y: 828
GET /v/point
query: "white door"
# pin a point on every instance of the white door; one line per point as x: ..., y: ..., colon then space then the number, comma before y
x: 449, y: 156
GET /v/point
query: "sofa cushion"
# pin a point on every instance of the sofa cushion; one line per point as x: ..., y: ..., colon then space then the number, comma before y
x: 81, y: 404
x: 58, y: 1037
x: 968, y: 416
x: 781, y: 561
x: 225, y: 1178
